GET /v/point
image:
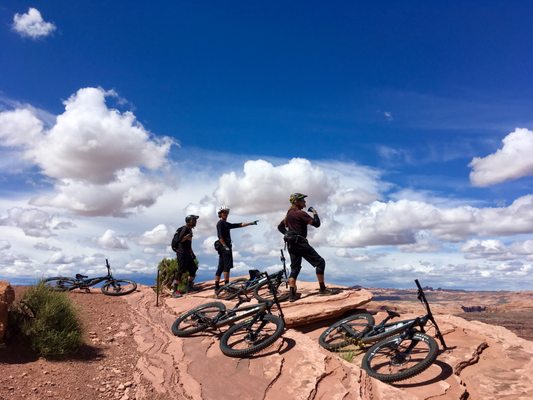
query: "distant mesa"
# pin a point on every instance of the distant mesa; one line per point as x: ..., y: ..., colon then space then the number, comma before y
x: 474, y: 309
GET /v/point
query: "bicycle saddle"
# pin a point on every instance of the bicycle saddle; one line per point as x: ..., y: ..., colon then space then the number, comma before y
x: 392, y: 314
x: 80, y: 276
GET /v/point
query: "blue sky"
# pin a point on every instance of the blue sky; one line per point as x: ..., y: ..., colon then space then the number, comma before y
x: 409, y: 125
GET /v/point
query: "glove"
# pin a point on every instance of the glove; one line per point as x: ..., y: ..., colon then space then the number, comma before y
x: 226, y: 248
x: 311, y: 209
x: 255, y: 222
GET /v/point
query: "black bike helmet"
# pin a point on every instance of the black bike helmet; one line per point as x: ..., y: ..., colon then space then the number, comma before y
x: 190, y: 218
x: 296, y: 196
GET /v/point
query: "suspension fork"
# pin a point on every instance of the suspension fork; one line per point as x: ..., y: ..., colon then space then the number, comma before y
x: 254, y: 332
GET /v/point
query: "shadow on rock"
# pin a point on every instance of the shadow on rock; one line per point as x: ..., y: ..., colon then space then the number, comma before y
x: 445, y: 372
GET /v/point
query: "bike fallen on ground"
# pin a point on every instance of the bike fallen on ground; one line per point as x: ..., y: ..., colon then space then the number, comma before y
x: 400, y: 350
x: 257, y: 285
x: 111, y: 286
x: 260, y: 327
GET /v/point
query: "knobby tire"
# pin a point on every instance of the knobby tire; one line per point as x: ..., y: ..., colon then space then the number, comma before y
x: 263, y: 294
x: 119, y: 287
x: 232, y: 289
x: 189, y: 323
x: 60, y: 283
x: 335, y: 337
x: 238, y: 335
x: 382, y: 360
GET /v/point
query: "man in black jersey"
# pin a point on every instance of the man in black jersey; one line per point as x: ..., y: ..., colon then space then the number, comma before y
x: 187, y: 261
x: 294, y: 228
x: 225, y: 254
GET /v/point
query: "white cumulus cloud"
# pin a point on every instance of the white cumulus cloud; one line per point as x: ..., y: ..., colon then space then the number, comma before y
x: 101, y: 161
x: 32, y: 25
x: 93, y: 143
x: 514, y: 160
x: 110, y: 241
x: 159, y: 235
x: 34, y: 222
x: 19, y: 127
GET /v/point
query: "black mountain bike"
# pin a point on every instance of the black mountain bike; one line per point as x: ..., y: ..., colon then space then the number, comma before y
x: 258, y: 285
x: 111, y: 286
x: 259, y: 329
x: 403, y: 349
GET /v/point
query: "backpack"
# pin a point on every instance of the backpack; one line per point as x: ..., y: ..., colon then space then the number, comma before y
x: 176, y: 239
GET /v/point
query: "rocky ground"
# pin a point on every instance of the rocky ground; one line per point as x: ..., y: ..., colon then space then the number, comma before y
x: 130, y: 354
x: 103, y: 369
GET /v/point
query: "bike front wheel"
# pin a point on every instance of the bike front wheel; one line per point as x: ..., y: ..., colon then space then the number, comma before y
x: 232, y: 289
x: 246, y: 338
x: 59, y: 283
x: 337, y: 336
x: 119, y: 287
x: 263, y: 293
x: 196, y: 320
x: 397, y: 358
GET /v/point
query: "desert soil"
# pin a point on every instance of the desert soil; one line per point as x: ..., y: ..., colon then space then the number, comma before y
x: 104, y: 368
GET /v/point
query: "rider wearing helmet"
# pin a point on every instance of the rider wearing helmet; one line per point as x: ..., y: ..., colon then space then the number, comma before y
x: 225, y: 254
x: 294, y: 229
x: 187, y: 261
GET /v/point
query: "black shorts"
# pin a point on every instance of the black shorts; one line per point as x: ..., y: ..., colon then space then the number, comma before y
x: 303, y: 250
x: 186, y: 264
x: 225, y: 262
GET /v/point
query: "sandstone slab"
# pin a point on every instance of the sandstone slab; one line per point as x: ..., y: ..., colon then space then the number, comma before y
x: 483, y: 361
x: 310, y: 308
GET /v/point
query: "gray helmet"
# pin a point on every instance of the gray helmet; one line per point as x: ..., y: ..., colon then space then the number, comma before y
x: 190, y: 218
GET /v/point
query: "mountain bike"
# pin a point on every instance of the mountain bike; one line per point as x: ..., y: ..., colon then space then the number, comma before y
x: 257, y: 285
x: 401, y: 350
x: 259, y: 329
x: 111, y: 286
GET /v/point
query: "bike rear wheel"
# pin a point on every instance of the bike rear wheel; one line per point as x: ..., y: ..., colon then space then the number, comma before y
x: 395, y: 359
x: 336, y: 337
x: 246, y: 338
x: 59, y: 283
x: 194, y: 321
x: 263, y: 293
x: 232, y: 289
x: 118, y: 287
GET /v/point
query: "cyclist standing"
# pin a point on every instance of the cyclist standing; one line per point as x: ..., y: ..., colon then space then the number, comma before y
x: 294, y: 229
x: 225, y: 253
x: 187, y: 261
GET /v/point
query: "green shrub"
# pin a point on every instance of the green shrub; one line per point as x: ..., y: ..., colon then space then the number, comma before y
x: 167, y: 271
x: 49, y: 321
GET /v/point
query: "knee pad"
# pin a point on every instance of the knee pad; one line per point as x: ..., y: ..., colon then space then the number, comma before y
x: 321, y: 266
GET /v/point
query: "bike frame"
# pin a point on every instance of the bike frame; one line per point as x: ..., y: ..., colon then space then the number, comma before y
x: 256, y: 311
x: 88, y: 282
x: 408, y: 326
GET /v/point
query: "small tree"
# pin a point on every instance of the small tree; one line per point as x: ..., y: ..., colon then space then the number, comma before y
x: 168, y: 268
x: 49, y: 321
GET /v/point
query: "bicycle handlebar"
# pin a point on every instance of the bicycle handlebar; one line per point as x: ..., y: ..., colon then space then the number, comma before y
x: 422, y: 298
